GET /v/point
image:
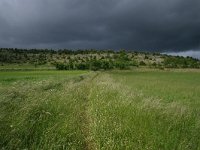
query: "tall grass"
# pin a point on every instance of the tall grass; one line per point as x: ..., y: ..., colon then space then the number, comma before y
x: 127, y: 118
x: 112, y: 110
x: 42, y: 114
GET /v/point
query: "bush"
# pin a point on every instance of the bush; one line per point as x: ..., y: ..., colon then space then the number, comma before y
x: 142, y: 63
x: 60, y: 66
x: 106, y: 65
x: 121, y: 65
x: 83, y: 66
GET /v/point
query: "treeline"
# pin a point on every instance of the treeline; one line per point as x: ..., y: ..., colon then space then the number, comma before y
x: 59, y: 51
x: 121, y: 61
x: 181, y: 62
x: 43, y: 56
x: 91, y: 59
x: 96, y: 65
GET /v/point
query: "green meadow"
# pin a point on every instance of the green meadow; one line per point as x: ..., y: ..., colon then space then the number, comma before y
x: 135, y: 109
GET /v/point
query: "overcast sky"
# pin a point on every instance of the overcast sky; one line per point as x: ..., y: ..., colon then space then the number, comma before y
x: 191, y: 53
x: 152, y: 25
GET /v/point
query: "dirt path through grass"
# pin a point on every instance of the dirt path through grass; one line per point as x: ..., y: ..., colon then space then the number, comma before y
x: 85, y: 118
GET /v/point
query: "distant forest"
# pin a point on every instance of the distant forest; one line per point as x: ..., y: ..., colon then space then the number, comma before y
x: 93, y: 59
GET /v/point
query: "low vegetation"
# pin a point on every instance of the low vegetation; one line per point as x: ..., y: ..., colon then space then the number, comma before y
x: 140, y: 109
x: 89, y: 60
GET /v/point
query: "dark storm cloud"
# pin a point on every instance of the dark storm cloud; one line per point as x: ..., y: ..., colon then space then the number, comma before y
x: 130, y: 24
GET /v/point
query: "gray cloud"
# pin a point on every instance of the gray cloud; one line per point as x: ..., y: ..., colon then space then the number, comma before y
x: 191, y: 53
x: 153, y: 25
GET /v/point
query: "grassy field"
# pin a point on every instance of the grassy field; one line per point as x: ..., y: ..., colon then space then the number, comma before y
x: 25, y: 66
x: 141, y: 109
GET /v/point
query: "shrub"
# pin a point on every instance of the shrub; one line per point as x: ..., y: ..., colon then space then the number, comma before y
x: 142, y: 63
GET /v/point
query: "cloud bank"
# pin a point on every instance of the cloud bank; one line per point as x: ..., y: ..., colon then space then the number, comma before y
x: 191, y: 53
x: 151, y: 25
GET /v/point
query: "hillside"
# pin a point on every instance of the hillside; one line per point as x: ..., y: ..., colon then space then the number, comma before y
x: 90, y: 59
